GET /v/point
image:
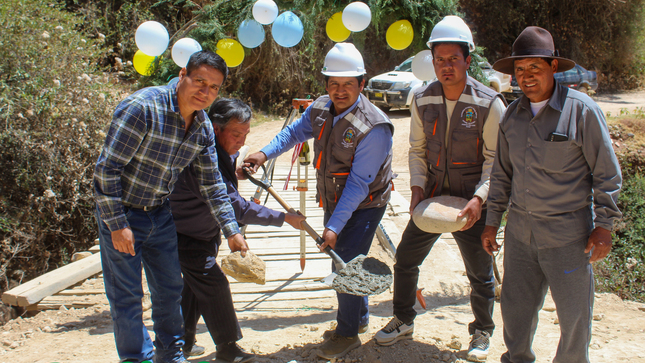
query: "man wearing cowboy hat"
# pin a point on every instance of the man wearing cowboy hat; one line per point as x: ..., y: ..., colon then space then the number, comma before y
x: 557, y: 174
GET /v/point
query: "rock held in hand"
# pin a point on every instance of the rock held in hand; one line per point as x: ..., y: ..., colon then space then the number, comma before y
x: 250, y: 268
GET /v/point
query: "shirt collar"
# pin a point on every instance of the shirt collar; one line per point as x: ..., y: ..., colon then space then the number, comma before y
x: 174, y: 101
x: 555, y: 102
x: 336, y: 118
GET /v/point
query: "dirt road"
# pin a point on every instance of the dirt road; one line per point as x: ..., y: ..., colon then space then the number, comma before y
x: 291, y: 333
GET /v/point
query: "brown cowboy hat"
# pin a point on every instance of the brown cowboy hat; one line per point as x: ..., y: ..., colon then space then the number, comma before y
x: 533, y: 42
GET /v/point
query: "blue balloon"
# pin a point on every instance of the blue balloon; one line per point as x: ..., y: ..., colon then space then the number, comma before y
x: 250, y: 33
x: 287, y: 29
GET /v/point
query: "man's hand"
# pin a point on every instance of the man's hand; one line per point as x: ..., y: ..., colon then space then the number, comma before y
x: 489, y: 240
x: 237, y: 243
x: 474, y: 211
x: 600, y: 242
x: 294, y: 219
x: 255, y: 160
x: 239, y: 172
x: 417, y: 197
x: 123, y: 240
x: 330, y: 239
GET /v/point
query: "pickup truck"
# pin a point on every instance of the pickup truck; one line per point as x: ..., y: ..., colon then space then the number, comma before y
x: 393, y: 89
x: 499, y: 81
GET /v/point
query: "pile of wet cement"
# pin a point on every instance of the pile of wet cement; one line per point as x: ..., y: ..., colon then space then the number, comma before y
x: 363, y: 276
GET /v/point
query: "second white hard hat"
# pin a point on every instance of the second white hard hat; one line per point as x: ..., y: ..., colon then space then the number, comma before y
x: 452, y: 29
x: 343, y: 60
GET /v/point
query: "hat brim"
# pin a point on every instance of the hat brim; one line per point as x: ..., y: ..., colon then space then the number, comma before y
x: 506, y: 65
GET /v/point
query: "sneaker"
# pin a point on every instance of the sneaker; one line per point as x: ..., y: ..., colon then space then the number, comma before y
x: 361, y: 330
x: 233, y: 353
x: 478, y: 347
x: 337, y: 346
x: 394, y: 331
x: 194, y: 351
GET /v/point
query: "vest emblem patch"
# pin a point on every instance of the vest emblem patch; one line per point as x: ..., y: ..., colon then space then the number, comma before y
x: 348, y: 137
x: 468, y: 117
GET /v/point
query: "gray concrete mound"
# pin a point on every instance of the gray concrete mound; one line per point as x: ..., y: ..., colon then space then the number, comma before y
x: 363, y: 276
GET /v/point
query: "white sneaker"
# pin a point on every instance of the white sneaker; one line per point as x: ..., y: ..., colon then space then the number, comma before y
x: 394, y: 331
x: 478, y: 347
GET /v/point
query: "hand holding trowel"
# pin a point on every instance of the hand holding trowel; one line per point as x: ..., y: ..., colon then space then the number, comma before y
x: 361, y: 276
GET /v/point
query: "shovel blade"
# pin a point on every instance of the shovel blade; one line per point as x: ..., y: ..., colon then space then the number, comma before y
x: 329, y: 280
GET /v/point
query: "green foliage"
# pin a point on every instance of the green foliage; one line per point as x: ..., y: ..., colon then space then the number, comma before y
x: 606, y: 36
x: 270, y: 75
x: 53, y: 104
x: 623, y: 271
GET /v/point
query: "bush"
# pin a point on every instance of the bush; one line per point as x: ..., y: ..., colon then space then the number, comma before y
x: 53, y: 106
x: 623, y: 271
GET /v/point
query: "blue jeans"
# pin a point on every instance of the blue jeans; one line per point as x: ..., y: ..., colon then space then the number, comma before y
x: 156, y: 247
x: 355, y: 239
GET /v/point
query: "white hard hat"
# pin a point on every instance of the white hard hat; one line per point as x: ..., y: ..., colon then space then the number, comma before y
x: 343, y: 60
x: 452, y: 29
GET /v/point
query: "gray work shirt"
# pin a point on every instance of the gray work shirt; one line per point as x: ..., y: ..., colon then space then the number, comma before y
x: 558, y: 190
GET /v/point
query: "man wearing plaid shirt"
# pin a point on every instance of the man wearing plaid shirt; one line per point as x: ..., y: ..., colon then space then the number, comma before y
x: 155, y: 133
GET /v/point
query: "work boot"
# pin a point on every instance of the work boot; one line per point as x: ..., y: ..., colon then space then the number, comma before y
x: 337, y: 346
x: 194, y: 351
x: 394, y: 331
x: 231, y: 352
x: 478, y: 347
x: 361, y: 330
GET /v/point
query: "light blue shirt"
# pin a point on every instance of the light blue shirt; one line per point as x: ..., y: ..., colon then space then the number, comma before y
x: 368, y: 158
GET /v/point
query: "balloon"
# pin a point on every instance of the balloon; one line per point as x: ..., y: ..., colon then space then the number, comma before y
x: 151, y: 38
x: 335, y: 28
x: 287, y: 30
x: 422, y: 66
x: 357, y: 16
x: 183, y: 49
x: 143, y: 63
x: 250, y: 33
x: 399, y: 35
x: 265, y: 11
x: 231, y: 50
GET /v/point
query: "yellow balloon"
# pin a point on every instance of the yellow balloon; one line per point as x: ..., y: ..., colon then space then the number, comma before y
x: 335, y: 28
x: 231, y: 50
x: 143, y: 63
x: 399, y: 35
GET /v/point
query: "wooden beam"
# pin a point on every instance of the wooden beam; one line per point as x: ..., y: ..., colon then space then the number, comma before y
x: 52, y: 282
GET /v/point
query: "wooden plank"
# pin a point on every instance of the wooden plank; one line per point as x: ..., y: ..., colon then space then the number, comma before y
x: 388, y: 235
x: 80, y: 292
x: 399, y: 204
x: 35, y: 290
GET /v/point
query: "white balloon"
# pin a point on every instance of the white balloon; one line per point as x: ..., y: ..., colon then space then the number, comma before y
x: 152, y: 38
x: 265, y: 11
x: 357, y: 16
x: 183, y: 49
x: 422, y: 66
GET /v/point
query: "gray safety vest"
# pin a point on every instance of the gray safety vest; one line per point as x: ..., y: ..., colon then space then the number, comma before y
x: 334, y: 149
x: 462, y: 159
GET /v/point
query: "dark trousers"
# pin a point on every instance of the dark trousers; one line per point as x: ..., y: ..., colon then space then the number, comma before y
x: 414, y: 248
x: 206, y: 292
x: 355, y: 239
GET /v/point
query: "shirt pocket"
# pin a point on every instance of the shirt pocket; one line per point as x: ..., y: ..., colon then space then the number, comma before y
x: 557, y: 155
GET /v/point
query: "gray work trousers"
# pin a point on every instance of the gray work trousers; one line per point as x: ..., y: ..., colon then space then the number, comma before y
x: 528, y: 273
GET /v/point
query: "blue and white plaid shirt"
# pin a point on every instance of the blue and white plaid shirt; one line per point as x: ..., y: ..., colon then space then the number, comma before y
x: 146, y: 149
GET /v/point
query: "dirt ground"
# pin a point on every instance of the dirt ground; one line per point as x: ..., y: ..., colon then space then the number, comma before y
x: 292, y: 332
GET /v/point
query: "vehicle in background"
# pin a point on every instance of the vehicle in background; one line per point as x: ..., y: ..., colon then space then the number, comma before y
x: 576, y: 78
x: 393, y: 89
x: 499, y: 81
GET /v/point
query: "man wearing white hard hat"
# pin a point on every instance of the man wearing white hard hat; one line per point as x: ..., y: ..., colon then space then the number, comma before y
x: 453, y: 135
x: 353, y: 156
